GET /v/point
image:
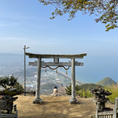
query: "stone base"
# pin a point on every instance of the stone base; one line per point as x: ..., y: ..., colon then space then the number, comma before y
x: 38, y: 101
x: 73, y: 101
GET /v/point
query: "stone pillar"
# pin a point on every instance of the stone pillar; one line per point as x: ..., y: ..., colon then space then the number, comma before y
x: 37, y: 99
x: 73, y: 99
x: 115, y: 108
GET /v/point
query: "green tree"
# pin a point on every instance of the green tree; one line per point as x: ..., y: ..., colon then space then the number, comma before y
x: 106, y: 11
x: 11, y: 86
x: 68, y: 89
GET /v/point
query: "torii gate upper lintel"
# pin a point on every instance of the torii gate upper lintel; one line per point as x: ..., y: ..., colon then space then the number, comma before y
x: 56, y: 62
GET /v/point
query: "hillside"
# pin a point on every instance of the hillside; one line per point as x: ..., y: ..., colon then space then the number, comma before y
x: 89, y: 86
x: 107, y: 82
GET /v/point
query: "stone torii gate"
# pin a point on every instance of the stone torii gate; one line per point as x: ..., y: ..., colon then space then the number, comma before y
x: 56, y: 63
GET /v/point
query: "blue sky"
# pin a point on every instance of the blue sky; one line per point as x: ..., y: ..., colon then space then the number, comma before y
x: 27, y: 22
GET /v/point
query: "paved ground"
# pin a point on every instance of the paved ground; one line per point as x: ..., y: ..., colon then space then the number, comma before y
x: 54, y: 107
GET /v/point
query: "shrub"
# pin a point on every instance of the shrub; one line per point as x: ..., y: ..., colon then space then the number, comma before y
x: 68, y: 89
x: 114, y: 91
x: 11, y: 86
x: 79, y: 91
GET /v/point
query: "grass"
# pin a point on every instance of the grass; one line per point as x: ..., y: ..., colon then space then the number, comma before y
x: 114, y: 91
x: 84, y: 91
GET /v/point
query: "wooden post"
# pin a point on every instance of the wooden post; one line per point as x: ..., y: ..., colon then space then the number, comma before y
x: 73, y: 99
x: 37, y: 99
x: 115, y: 108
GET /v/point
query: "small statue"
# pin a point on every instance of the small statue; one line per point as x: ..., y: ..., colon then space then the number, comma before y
x: 101, y: 97
x: 11, y: 88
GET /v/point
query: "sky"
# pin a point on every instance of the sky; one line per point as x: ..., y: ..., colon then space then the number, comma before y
x: 27, y: 22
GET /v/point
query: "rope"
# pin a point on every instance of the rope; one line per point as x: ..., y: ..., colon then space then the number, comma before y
x: 56, y: 67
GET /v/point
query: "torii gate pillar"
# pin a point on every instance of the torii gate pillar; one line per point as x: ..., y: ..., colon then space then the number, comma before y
x: 73, y: 99
x: 38, y: 99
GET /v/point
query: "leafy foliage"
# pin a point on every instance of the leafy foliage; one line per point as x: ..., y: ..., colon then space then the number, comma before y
x: 11, y: 86
x: 68, y: 89
x: 82, y: 90
x: 114, y: 91
x: 106, y: 11
x: 85, y: 93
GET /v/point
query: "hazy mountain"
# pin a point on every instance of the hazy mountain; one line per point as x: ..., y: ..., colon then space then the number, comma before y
x: 107, y: 82
x: 89, y: 86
